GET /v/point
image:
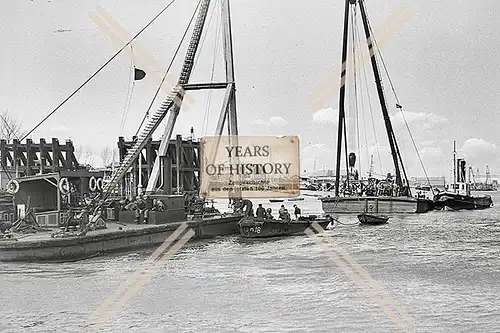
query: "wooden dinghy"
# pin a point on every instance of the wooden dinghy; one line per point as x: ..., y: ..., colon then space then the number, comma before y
x: 372, y: 219
x: 252, y: 227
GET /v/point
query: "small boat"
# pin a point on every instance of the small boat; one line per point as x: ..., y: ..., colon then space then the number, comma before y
x: 296, y: 199
x: 252, y: 227
x: 372, y: 219
x: 276, y: 200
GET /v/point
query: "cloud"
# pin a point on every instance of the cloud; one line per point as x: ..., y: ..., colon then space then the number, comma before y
x: 260, y: 122
x: 273, y: 121
x: 278, y: 121
x: 480, y: 152
x: 326, y: 116
x: 426, y: 121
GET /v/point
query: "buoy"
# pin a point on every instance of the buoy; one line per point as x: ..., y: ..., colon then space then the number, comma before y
x: 92, y: 184
x: 99, y: 184
x: 64, y: 185
x: 12, y: 186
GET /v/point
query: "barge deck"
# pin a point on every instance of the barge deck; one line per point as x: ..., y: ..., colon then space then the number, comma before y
x: 116, y: 237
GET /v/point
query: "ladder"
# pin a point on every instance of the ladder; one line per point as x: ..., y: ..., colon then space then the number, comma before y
x: 174, y: 98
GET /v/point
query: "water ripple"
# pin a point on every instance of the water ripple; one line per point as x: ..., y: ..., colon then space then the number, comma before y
x: 442, y: 267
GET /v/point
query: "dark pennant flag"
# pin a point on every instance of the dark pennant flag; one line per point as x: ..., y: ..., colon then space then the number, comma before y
x: 139, y: 74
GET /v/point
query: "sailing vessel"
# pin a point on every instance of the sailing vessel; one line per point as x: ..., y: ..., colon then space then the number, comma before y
x: 459, y: 196
x: 354, y: 195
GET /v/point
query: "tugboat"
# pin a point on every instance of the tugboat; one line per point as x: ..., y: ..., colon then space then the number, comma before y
x: 459, y: 197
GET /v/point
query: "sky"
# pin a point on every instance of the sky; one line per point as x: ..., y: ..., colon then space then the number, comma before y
x: 443, y: 59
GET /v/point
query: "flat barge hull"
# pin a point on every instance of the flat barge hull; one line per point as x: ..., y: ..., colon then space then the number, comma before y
x: 384, y: 205
x: 41, y: 247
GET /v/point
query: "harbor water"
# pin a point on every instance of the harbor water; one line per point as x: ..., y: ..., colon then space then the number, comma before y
x: 442, y: 268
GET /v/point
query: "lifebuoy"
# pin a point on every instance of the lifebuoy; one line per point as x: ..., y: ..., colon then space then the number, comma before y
x: 92, y: 184
x: 12, y: 186
x: 99, y: 184
x: 64, y: 186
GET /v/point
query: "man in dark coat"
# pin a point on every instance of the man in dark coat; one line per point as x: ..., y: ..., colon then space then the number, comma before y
x: 260, y: 212
x: 297, y: 212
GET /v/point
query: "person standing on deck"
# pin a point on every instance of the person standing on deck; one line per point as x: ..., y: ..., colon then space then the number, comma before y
x: 297, y: 212
x: 139, y: 212
x: 281, y: 212
x: 286, y: 216
x: 260, y: 212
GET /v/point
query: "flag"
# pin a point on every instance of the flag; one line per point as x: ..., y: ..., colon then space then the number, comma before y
x: 139, y: 74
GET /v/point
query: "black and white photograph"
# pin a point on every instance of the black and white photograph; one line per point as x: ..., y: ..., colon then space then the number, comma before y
x: 249, y: 166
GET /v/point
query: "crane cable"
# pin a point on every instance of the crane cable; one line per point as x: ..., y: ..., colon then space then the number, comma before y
x: 131, y: 86
x: 99, y: 70
x: 168, y: 69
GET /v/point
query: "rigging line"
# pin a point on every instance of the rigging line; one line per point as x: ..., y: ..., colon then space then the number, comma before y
x: 356, y: 87
x: 346, y: 155
x: 210, y: 93
x: 128, y: 106
x: 348, y: 113
x: 401, y: 110
x: 122, y: 123
x: 360, y: 87
x: 402, y: 113
x: 370, y: 108
x: 375, y: 44
x: 99, y: 70
x: 202, y: 42
x: 168, y: 68
x: 346, y: 188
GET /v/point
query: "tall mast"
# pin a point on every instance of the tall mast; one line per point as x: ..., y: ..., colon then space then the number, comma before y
x: 228, y: 59
x: 380, y: 91
x: 454, y: 167
x: 342, y: 96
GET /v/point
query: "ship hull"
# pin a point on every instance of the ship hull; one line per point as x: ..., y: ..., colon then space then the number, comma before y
x: 463, y: 202
x: 262, y: 228
x: 385, y: 205
x: 115, y: 238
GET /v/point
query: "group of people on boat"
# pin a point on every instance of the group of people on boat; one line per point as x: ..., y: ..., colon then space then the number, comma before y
x: 267, y: 213
x: 374, y: 187
x: 141, y: 206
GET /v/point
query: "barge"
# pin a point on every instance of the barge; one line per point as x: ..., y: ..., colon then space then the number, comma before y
x: 115, y: 237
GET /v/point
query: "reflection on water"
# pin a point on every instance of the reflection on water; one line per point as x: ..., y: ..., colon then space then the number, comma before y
x: 442, y: 267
